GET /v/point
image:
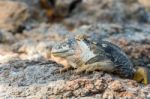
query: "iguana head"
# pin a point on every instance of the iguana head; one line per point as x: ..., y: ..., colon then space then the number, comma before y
x: 64, y: 49
x: 115, y: 54
x: 77, y: 48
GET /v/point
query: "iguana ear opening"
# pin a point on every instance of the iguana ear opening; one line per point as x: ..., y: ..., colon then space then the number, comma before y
x: 142, y: 75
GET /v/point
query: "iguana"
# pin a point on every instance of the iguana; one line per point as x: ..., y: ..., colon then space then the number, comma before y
x: 85, y: 55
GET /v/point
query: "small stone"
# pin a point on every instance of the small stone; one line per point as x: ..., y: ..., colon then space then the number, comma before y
x: 100, y: 85
x: 44, y: 48
x: 108, y: 94
x: 117, y: 86
x: 98, y: 96
x: 6, y: 37
x: 89, y: 86
x: 128, y: 95
x: 132, y: 83
x: 55, y: 97
x: 77, y: 92
x: 67, y: 94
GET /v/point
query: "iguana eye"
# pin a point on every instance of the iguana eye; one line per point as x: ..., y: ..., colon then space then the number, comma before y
x: 59, y: 47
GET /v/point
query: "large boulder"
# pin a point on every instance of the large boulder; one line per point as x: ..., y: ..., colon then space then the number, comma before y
x: 12, y: 14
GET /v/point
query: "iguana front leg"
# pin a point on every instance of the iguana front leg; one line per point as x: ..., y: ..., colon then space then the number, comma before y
x: 65, y: 68
x: 62, y: 61
x: 67, y: 65
x: 81, y: 69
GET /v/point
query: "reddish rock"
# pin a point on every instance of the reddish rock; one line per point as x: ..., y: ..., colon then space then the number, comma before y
x: 117, y: 86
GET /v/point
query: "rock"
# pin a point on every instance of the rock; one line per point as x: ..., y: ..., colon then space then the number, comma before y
x: 100, y: 85
x: 108, y: 94
x: 67, y: 94
x: 26, y: 70
x: 12, y: 14
x: 97, y: 11
x: 117, y: 86
x: 128, y: 95
x: 6, y: 37
x: 29, y: 48
x: 44, y: 48
x: 57, y: 10
x: 33, y: 48
x: 145, y: 3
x: 43, y: 31
x: 8, y: 57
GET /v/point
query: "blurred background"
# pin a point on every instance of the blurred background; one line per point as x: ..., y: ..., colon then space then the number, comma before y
x: 30, y: 28
x: 72, y: 13
x: 27, y: 26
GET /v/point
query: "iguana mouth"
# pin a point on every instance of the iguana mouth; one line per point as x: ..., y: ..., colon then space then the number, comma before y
x: 63, y: 53
x: 59, y: 53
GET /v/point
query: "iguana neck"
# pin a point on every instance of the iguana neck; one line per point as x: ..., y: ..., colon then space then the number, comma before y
x: 85, y: 52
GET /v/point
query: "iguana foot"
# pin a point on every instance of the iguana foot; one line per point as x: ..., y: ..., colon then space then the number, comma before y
x: 81, y: 69
x: 62, y: 70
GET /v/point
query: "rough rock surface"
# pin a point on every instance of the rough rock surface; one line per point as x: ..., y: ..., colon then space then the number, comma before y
x: 116, y: 11
x: 36, y: 79
x: 6, y: 37
x: 145, y: 3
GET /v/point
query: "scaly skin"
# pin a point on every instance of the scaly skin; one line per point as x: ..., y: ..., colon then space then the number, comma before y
x: 77, y: 54
x: 84, y: 55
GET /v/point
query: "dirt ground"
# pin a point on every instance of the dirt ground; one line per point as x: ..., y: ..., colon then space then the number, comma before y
x: 29, y: 29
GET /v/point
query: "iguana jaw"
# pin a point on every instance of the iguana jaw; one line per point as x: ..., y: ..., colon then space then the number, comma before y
x: 59, y: 52
x: 62, y: 50
x: 62, y: 53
